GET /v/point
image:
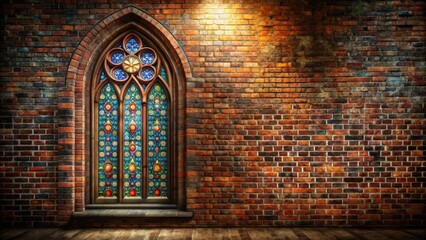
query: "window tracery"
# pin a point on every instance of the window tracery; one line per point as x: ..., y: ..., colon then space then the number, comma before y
x: 132, y: 120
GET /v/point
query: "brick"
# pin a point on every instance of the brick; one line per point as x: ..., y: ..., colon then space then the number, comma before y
x: 287, y: 122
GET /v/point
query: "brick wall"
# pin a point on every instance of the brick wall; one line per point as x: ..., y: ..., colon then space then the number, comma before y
x: 297, y: 112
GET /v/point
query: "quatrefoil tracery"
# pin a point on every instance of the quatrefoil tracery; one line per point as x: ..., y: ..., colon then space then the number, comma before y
x: 131, y: 58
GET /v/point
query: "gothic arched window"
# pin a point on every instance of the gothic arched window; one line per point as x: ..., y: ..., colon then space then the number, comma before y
x: 132, y: 114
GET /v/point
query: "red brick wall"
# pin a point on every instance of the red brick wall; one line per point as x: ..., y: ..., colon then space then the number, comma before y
x: 297, y: 112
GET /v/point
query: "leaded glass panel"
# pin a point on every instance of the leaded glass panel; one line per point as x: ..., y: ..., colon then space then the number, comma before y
x: 107, y: 142
x: 132, y: 143
x: 132, y: 107
x: 157, y: 142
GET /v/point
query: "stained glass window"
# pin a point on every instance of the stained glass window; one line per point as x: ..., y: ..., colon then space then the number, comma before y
x: 132, y: 135
x: 107, y: 142
x: 132, y: 166
x: 157, y: 141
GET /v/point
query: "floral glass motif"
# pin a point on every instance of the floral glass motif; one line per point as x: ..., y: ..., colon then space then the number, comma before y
x: 132, y: 142
x: 131, y: 64
x: 157, y: 142
x: 127, y: 166
x: 107, y: 142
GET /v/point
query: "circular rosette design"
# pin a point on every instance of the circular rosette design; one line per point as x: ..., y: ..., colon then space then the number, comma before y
x: 157, y: 192
x: 108, y: 192
x: 108, y: 107
x: 131, y: 59
x: 133, y: 107
x: 132, y: 192
x: 133, y: 127
x: 108, y: 127
x: 108, y: 167
x: 148, y: 56
x: 131, y: 64
x: 132, y: 147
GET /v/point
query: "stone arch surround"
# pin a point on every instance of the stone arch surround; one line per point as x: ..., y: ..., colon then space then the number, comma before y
x: 73, y: 104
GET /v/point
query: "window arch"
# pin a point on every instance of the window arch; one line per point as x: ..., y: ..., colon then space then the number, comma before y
x: 132, y: 123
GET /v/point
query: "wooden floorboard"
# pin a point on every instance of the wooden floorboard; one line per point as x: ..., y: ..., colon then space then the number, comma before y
x: 143, y: 234
x: 415, y: 233
x: 64, y: 234
x: 317, y: 234
x: 300, y: 234
x: 285, y: 233
x: 36, y: 233
x: 369, y: 234
x: 340, y: 233
x: 12, y: 233
x: 244, y: 235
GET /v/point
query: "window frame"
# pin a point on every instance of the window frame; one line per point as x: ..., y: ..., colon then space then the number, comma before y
x: 95, y: 90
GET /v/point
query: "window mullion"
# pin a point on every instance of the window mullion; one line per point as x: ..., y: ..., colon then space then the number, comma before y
x: 145, y: 151
x: 133, y: 62
x: 120, y: 181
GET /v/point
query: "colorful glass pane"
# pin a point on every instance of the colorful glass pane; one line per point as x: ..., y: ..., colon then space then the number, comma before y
x: 147, y: 57
x: 132, y: 45
x: 158, y: 124
x: 117, y: 57
x: 132, y: 165
x: 147, y: 73
x: 120, y: 74
x: 107, y: 142
x: 163, y: 74
x: 103, y: 76
x: 130, y: 132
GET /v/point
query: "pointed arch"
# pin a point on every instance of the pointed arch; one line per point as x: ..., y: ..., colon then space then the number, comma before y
x: 74, y: 102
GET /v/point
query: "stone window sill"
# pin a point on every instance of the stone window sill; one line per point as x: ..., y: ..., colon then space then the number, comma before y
x: 128, y: 211
x: 138, y: 213
x: 130, y: 215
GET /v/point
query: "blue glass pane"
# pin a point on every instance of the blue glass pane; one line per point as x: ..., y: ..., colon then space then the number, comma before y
x: 147, y: 74
x: 103, y: 76
x: 147, y: 57
x: 117, y: 57
x: 132, y: 45
x: 120, y: 74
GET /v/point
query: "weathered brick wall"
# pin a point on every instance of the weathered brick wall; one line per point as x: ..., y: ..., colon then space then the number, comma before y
x: 298, y: 112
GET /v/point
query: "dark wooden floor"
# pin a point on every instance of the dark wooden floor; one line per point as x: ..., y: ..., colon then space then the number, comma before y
x: 217, y: 233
